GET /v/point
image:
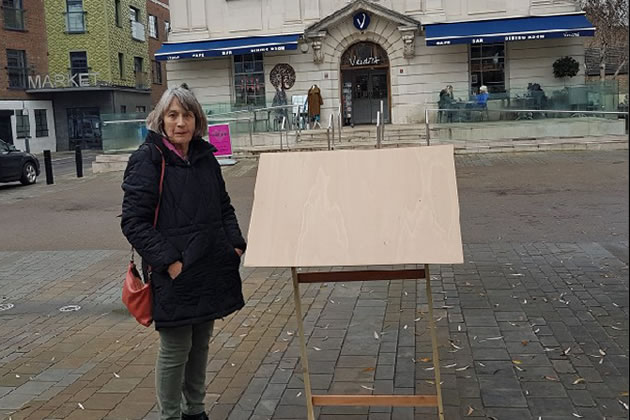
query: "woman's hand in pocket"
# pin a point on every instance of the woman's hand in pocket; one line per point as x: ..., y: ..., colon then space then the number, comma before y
x: 175, y: 269
x: 238, y: 251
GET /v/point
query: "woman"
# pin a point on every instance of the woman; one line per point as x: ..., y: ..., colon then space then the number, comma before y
x: 482, y: 97
x: 194, y: 251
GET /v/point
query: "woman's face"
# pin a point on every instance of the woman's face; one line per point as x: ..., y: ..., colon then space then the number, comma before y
x: 179, y: 124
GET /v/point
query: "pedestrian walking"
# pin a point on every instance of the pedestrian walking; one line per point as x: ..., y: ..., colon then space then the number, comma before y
x: 192, y: 255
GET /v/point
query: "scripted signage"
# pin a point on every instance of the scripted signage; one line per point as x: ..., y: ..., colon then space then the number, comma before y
x: 367, y: 61
x: 61, y: 80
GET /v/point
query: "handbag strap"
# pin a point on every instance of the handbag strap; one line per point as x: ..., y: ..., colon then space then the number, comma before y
x: 157, y: 208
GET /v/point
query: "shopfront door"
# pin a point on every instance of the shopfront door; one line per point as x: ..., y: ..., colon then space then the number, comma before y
x: 365, y: 85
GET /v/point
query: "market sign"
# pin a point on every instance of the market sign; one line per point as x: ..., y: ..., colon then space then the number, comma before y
x: 61, y: 80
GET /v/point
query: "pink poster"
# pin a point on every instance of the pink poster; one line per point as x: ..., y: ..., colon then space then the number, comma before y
x: 219, y: 136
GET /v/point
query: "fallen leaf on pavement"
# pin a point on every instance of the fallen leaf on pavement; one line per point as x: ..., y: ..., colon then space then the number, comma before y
x: 470, y: 411
x: 524, y: 343
x: 579, y: 381
x: 552, y: 378
x: 577, y: 415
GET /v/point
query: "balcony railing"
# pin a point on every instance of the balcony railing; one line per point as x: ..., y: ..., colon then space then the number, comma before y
x: 13, y: 18
x: 76, y: 22
x: 137, y: 31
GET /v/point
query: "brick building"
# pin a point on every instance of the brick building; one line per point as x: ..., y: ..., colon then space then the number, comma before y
x: 26, y: 120
x: 158, y: 27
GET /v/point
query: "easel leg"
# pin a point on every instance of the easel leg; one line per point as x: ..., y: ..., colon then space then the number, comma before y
x: 303, y: 356
x: 434, y: 343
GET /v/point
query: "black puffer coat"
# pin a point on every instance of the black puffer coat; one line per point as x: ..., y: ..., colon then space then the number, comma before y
x: 196, y: 225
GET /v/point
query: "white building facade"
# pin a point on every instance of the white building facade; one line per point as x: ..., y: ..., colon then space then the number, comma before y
x: 361, y: 53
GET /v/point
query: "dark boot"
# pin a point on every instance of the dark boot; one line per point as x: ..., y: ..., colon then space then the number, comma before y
x: 200, y: 416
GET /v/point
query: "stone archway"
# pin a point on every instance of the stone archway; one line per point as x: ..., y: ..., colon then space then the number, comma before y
x: 365, y: 83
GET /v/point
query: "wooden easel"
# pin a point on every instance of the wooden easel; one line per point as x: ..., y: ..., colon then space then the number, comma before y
x: 365, y: 400
x: 400, y: 205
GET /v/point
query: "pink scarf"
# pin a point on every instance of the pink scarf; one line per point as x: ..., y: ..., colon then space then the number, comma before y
x: 172, y: 148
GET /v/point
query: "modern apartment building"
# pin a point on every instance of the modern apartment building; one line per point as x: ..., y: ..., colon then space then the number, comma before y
x: 361, y: 53
x: 98, y: 63
x: 26, y: 120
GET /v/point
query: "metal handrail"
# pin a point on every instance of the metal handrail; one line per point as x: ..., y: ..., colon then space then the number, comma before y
x: 249, y: 111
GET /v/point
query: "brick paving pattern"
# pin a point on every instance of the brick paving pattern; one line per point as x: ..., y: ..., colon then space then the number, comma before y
x: 526, y: 330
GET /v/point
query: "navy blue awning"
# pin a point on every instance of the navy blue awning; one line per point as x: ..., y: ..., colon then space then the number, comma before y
x: 510, y: 29
x: 226, y: 47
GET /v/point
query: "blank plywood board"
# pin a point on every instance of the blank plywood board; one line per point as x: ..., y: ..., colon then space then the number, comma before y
x: 355, y: 207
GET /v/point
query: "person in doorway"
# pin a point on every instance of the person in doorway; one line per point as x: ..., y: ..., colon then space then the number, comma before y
x: 192, y: 255
x: 315, y: 101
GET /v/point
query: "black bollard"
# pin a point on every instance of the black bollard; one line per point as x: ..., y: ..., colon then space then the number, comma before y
x: 78, y: 157
x: 48, y: 166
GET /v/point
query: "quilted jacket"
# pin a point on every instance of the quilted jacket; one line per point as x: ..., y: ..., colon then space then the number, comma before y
x: 196, y: 225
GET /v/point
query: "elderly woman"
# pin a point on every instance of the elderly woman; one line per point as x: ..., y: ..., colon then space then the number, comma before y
x: 193, y: 253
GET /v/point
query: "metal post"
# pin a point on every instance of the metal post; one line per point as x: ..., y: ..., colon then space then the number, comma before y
x: 378, y: 129
x: 303, y: 358
x: 250, y: 127
x: 331, y: 124
x: 340, y: 119
x: 78, y: 158
x: 27, y: 144
x: 328, y: 136
x: 434, y: 344
x: 427, y: 129
x: 48, y: 166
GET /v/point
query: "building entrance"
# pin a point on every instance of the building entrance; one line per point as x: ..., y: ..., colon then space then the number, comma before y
x: 365, y: 83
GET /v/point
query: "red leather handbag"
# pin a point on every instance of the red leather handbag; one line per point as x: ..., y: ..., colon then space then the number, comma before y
x: 136, y: 294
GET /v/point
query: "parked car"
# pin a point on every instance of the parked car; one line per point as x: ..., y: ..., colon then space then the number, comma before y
x: 16, y: 165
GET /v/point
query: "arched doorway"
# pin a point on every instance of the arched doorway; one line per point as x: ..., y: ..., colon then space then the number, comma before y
x: 365, y: 83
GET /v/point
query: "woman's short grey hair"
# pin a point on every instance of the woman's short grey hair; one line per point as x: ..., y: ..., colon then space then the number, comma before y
x: 155, y: 120
x: 483, y: 89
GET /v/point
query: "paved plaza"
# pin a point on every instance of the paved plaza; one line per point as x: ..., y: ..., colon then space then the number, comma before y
x: 534, y: 324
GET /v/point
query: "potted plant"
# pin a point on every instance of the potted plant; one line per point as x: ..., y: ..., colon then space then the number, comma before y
x: 565, y: 67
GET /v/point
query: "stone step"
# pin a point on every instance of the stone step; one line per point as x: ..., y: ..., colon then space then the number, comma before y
x: 122, y: 157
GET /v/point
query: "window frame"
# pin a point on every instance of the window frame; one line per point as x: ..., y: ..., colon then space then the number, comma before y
x: 157, y: 70
x: 121, y: 65
x: 117, y: 13
x: 20, y: 71
x: 22, y: 124
x: 480, y: 58
x: 41, y: 123
x: 17, y: 9
x: 82, y: 28
x: 255, y: 79
x: 134, y: 14
x: 75, y: 70
x: 153, y: 27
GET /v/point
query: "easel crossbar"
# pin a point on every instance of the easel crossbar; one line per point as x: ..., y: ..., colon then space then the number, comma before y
x: 376, y: 400
x: 364, y: 275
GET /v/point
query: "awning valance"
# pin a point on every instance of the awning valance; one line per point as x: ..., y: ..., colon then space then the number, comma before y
x: 226, y: 47
x: 509, y: 29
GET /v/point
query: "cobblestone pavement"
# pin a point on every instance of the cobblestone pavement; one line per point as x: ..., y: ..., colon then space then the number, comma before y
x: 527, y: 330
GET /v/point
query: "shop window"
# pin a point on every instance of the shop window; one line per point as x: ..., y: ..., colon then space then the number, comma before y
x: 157, y: 72
x: 22, y: 124
x: 17, y: 69
x: 123, y: 109
x: 153, y: 26
x: 84, y: 128
x: 75, y: 17
x: 41, y: 123
x: 13, y: 12
x: 141, y: 109
x: 78, y: 62
x: 487, y: 67
x: 249, y: 80
x: 167, y: 27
